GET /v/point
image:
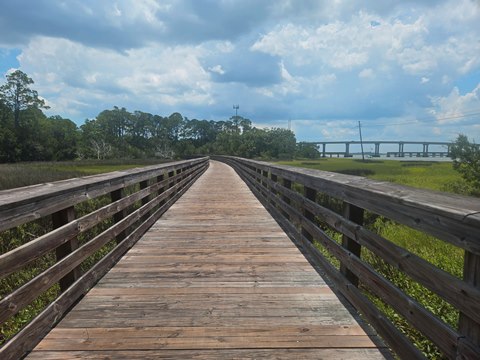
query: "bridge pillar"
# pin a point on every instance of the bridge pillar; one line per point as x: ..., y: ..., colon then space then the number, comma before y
x: 377, y: 150
x: 400, y: 149
x: 347, y: 150
x: 425, y: 150
x: 324, y: 148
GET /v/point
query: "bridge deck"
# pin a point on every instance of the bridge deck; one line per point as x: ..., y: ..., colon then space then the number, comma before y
x: 215, y: 277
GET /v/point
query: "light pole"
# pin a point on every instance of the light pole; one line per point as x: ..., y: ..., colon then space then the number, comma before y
x: 235, y: 121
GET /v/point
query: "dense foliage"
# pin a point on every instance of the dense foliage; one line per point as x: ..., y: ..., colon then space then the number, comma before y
x: 26, y: 134
x: 466, y: 160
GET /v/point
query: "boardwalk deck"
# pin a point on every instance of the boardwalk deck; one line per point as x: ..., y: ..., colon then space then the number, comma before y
x: 215, y: 277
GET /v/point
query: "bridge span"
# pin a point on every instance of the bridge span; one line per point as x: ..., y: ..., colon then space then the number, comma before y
x: 404, y: 148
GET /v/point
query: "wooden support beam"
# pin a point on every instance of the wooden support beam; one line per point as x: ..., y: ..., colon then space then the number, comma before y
x: 59, y: 219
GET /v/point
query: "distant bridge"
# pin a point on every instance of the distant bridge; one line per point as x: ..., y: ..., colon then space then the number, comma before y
x: 400, y: 153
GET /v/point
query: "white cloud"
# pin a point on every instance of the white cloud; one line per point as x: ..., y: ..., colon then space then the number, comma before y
x: 217, y: 69
x: 279, y: 59
x: 455, y: 107
x: 142, y: 77
x: 366, y: 74
x: 424, y: 80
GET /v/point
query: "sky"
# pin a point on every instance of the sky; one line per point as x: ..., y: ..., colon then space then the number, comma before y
x: 406, y: 70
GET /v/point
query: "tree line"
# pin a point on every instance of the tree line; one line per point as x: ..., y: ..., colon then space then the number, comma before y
x: 27, y: 134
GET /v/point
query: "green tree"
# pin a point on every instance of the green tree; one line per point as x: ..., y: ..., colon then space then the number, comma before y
x: 307, y: 150
x: 281, y: 143
x: 17, y: 95
x: 62, y: 135
x: 9, y: 150
x: 466, y: 160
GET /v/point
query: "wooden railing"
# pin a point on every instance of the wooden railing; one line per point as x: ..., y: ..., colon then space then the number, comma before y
x: 296, y: 198
x: 116, y: 210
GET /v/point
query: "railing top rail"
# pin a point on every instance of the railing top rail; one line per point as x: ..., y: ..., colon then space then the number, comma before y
x: 28, y: 203
x: 438, y: 213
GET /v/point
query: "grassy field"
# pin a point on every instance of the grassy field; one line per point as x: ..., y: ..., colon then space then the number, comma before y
x: 434, y: 175
x: 24, y: 174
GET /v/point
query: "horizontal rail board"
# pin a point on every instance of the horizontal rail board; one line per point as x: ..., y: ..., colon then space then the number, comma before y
x: 18, y: 206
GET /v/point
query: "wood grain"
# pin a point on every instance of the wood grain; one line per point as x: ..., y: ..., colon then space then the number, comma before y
x: 215, y: 277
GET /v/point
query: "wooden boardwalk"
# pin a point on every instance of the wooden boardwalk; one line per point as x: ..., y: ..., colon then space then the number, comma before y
x: 215, y: 277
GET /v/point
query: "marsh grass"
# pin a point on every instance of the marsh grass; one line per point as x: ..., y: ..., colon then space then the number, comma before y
x: 432, y: 175
x: 420, y: 174
x: 24, y: 174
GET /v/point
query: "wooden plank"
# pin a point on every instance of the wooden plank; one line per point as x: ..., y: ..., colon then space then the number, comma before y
x: 202, y: 354
x: 214, y: 277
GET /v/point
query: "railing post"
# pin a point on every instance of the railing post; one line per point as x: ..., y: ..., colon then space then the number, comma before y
x: 162, y: 189
x: 310, y: 194
x: 146, y: 199
x: 471, y: 275
x: 171, y: 183
x: 274, y: 179
x: 119, y: 216
x: 59, y: 219
x: 179, y: 175
x: 264, y: 182
x: 354, y: 214
x: 288, y: 185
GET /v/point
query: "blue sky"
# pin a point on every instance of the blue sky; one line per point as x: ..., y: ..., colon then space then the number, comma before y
x: 408, y: 70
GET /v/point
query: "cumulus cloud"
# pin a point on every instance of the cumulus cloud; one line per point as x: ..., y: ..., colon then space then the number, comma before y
x: 315, y: 60
x: 455, y: 107
x: 153, y: 76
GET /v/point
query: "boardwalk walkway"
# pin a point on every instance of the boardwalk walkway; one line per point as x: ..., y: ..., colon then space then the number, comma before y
x: 215, y: 277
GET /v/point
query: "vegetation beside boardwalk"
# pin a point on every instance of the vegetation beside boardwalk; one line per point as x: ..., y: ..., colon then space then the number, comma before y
x: 431, y: 175
x: 25, y: 174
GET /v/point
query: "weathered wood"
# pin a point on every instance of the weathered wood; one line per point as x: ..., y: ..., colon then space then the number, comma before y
x: 459, y: 293
x: 18, y: 206
x: 13, y: 302
x: 9, y: 262
x: 442, y: 215
x: 214, y: 276
x: 471, y: 274
x: 59, y: 219
x: 452, y: 218
x: 201, y: 354
x: 115, y: 196
x: 310, y: 194
x: 354, y: 214
x: 400, y: 344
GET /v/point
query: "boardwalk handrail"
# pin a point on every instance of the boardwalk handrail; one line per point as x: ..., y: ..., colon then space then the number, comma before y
x: 134, y: 199
x: 450, y: 218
